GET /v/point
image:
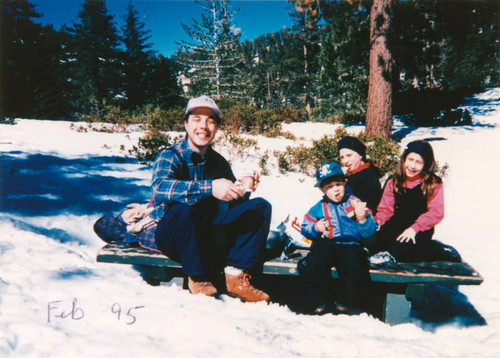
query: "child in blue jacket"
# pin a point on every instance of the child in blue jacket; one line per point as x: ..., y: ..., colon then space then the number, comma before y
x: 336, y: 225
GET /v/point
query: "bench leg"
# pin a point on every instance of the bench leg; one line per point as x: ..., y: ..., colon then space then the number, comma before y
x: 397, y: 306
x: 396, y: 309
x: 175, y: 280
x: 165, y: 276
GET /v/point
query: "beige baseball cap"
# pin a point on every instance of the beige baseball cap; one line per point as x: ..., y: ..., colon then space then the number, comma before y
x: 202, y: 101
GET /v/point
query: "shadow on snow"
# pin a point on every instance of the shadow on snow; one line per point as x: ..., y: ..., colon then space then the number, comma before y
x: 440, y: 305
x: 41, y: 185
x: 481, y: 107
x: 46, y: 185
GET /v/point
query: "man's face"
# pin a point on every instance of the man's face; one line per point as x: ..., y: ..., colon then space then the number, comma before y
x: 201, y: 127
x: 334, y: 190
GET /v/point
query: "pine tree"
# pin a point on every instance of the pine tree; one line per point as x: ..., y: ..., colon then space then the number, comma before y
x: 19, y: 47
x: 162, y: 89
x: 212, y: 60
x: 443, y: 51
x: 135, y: 58
x: 471, y: 51
x: 53, y: 91
x: 306, y: 16
x: 95, y: 56
x: 343, y: 83
x: 282, y: 69
x: 263, y: 56
x: 267, y: 58
x: 306, y: 74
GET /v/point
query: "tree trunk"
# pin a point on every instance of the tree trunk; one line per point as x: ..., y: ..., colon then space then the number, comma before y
x: 379, y: 107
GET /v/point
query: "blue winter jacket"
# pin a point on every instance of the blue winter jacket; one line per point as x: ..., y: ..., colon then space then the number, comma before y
x: 344, y: 228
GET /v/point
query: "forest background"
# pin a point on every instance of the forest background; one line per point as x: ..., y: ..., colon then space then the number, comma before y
x: 98, y: 70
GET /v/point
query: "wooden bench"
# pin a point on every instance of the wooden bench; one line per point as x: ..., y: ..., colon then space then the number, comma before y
x: 402, y: 282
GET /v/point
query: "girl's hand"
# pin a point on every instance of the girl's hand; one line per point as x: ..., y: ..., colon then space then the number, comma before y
x: 359, y: 210
x: 322, y: 226
x: 407, y: 236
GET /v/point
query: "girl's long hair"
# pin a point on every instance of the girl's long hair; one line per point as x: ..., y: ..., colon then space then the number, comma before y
x: 428, y: 176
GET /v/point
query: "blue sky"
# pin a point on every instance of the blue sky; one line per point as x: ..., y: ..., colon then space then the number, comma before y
x: 164, y: 17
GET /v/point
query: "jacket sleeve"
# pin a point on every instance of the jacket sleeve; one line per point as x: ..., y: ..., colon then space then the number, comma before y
x: 385, y: 209
x: 434, y: 213
x: 308, y: 227
x: 168, y: 186
x: 368, y: 227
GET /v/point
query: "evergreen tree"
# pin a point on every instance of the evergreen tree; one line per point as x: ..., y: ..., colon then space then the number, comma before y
x: 52, y: 93
x: 19, y: 48
x: 282, y: 71
x: 162, y: 89
x: 416, y: 44
x: 443, y: 51
x: 265, y: 57
x: 303, y: 84
x: 268, y: 79
x: 34, y: 80
x: 471, y: 51
x: 95, y: 56
x: 343, y: 83
x: 135, y: 58
x: 212, y: 60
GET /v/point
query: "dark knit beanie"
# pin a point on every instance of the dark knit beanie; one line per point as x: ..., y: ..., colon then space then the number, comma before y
x: 422, y: 148
x: 352, y: 143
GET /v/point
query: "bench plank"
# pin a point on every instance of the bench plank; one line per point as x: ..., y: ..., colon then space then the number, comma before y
x: 134, y: 255
x: 439, y: 272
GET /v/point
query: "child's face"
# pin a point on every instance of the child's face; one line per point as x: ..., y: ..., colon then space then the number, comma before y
x: 334, y: 190
x: 413, y: 165
x: 350, y: 159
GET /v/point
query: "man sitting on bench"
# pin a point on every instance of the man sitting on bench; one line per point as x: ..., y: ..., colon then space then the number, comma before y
x: 205, y: 221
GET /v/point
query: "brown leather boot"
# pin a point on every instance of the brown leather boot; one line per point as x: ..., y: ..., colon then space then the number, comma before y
x: 204, y: 287
x: 239, y: 286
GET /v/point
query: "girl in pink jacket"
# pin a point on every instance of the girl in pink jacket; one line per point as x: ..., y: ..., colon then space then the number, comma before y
x: 412, y: 204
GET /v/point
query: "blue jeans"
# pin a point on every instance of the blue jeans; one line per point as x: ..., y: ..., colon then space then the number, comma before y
x: 203, y: 241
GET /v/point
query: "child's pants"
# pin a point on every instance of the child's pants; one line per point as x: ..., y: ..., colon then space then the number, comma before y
x: 352, y: 265
x: 203, y: 242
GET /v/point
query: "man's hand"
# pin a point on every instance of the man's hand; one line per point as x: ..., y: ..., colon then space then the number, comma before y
x: 407, y: 235
x: 226, y: 190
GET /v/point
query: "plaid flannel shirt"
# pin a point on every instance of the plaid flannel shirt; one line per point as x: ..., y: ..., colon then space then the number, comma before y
x: 187, y: 181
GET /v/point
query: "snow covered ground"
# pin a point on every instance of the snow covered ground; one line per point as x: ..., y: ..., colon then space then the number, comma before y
x: 57, y: 301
